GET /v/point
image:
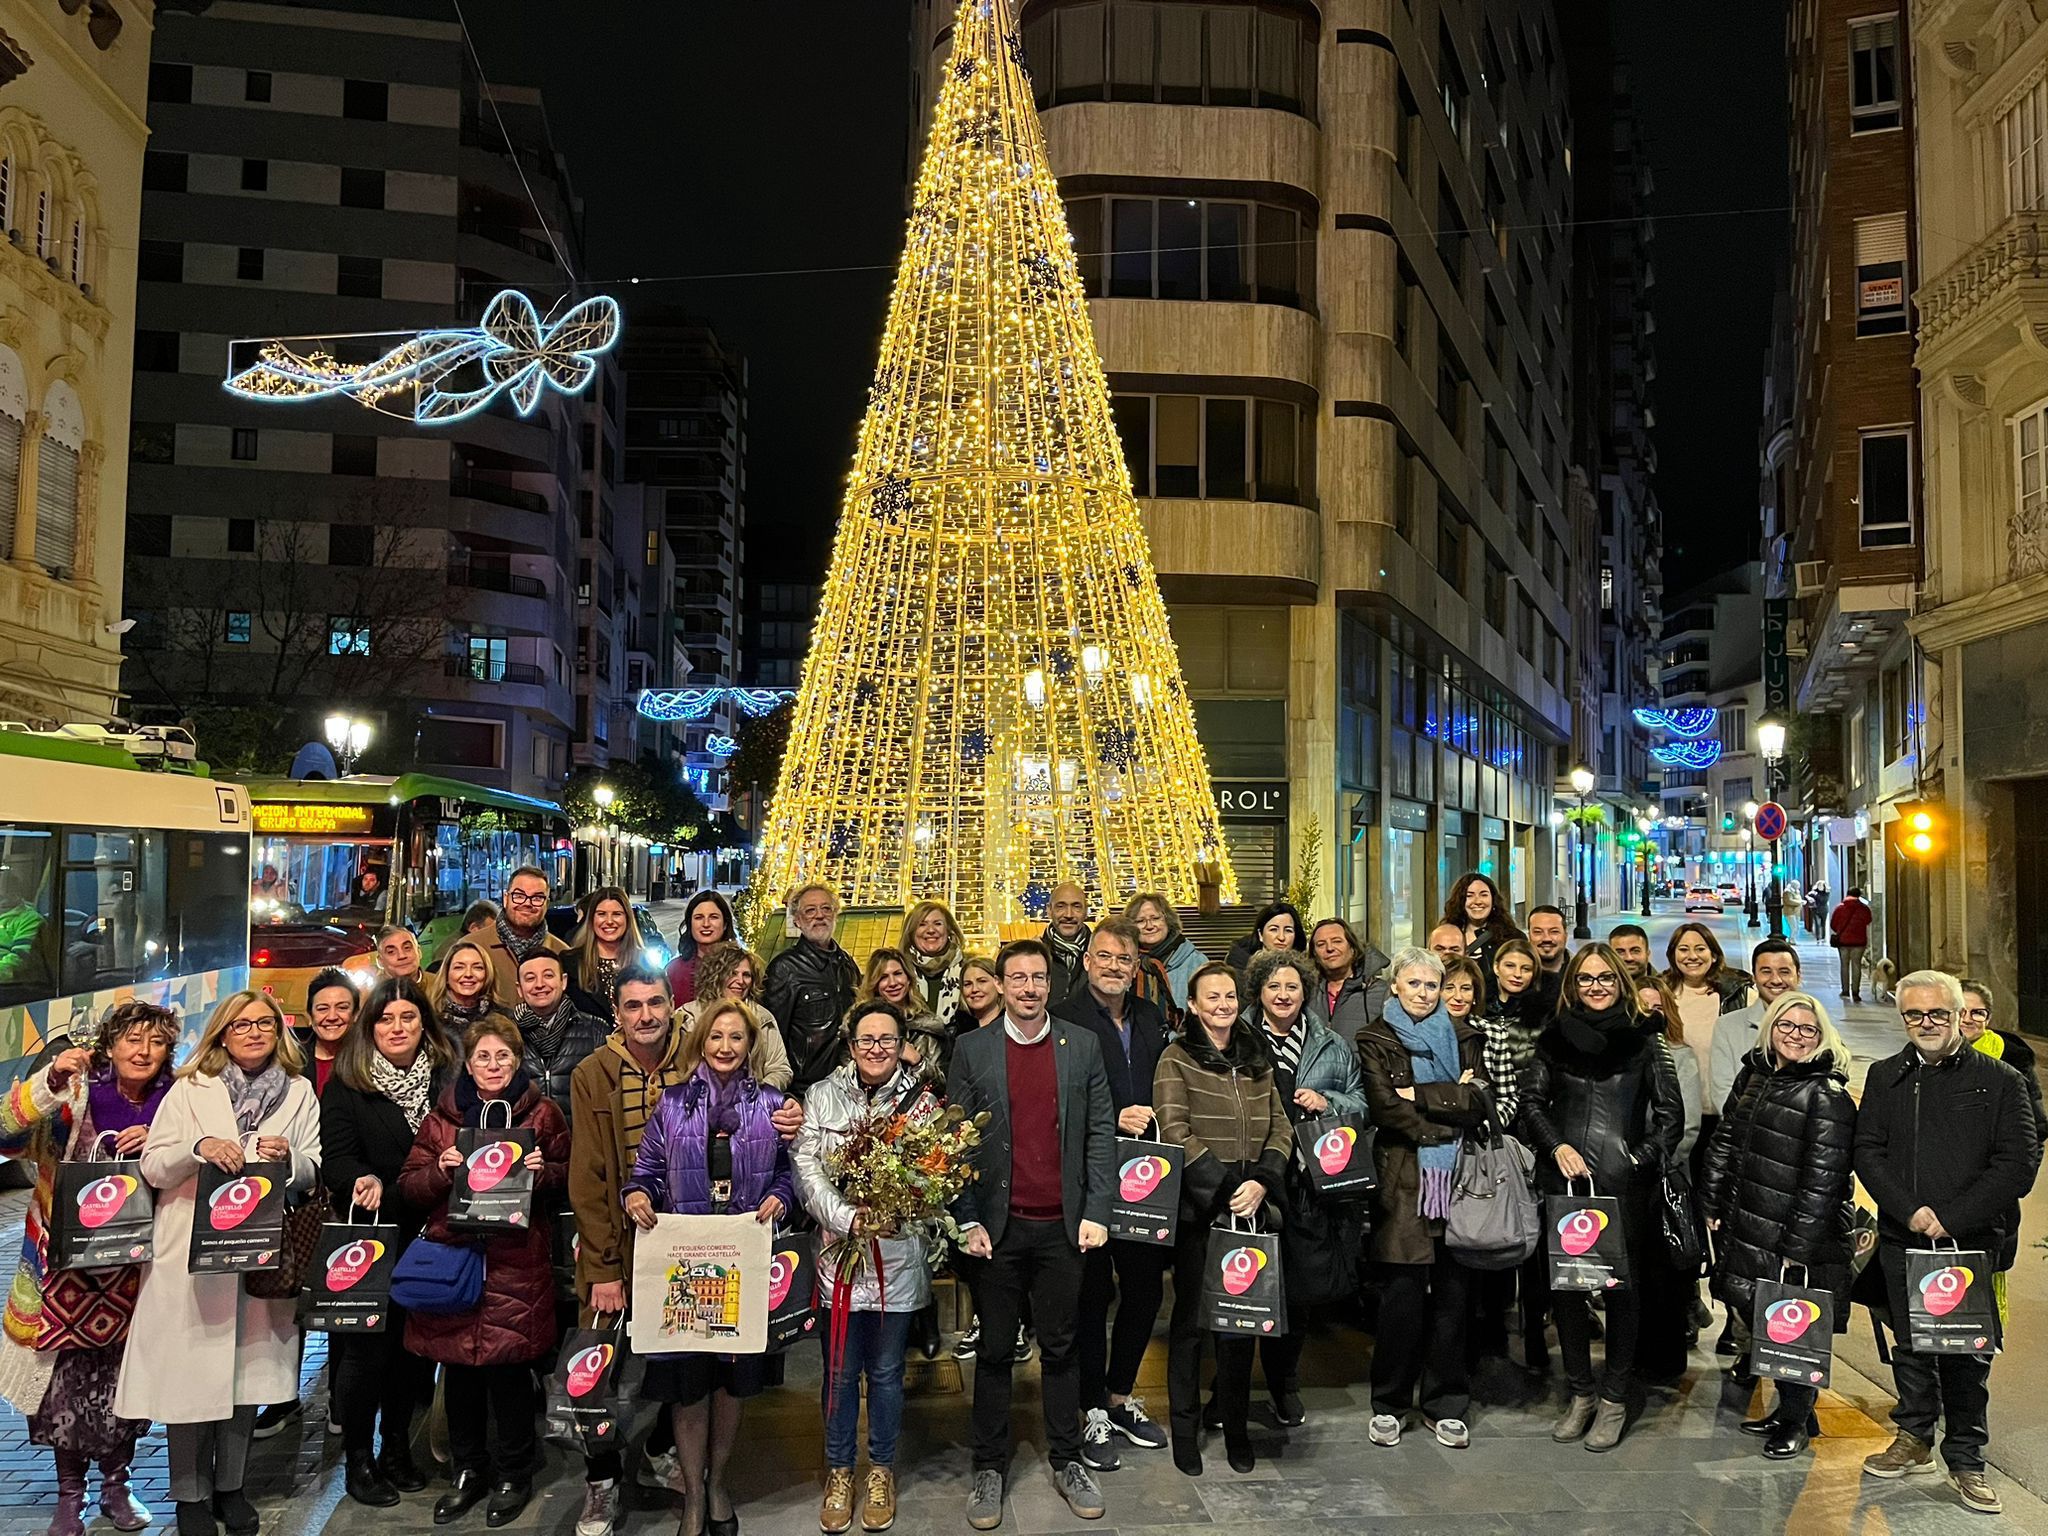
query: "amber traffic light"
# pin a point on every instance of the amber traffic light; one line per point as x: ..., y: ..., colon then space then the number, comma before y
x: 1921, y: 831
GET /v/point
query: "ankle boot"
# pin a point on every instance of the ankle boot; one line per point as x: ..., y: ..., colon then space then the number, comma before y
x: 69, y: 1519
x: 1609, y: 1425
x: 1576, y: 1419
x: 366, y: 1484
x: 1187, y: 1454
x: 117, y: 1501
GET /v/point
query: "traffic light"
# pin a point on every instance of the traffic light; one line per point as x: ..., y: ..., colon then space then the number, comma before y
x: 1728, y: 822
x: 1921, y: 831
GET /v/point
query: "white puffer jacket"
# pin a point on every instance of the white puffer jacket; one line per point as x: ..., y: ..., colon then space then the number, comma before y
x: 831, y: 1109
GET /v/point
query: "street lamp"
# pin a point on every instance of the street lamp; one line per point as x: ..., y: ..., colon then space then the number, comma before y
x: 1749, y: 863
x: 1582, y: 786
x: 1770, y: 741
x: 347, y: 737
x: 1646, y: 824
x: 604, y: 796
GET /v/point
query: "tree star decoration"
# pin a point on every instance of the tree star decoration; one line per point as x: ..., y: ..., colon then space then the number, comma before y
x: 452, y: 374
x: 1688, y: 754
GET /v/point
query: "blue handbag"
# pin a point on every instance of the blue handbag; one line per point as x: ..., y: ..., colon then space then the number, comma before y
x: 437, y: 1279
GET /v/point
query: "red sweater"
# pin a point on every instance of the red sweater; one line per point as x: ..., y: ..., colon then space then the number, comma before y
x: 1034, y: 1130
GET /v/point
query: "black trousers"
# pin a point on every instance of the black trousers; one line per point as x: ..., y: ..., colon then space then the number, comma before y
x: 375, y: 1377
x: 1617, y: 1381
x: 1952, y: 1392
x: 490, y: 1419
x: 1133, y: 1275
x: 1421, y: 1338
x: 1034, y: 1262
x: 1184, y: 1341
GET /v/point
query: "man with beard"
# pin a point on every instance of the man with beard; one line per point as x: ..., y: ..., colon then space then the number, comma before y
x: 1549, y: 937
x: 520, y: 928
x: 1631, y: 943
x: 1066, y: 936
x: 809, y: 986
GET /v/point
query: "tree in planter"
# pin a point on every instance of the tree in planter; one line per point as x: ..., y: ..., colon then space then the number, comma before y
x: 1308, y: 868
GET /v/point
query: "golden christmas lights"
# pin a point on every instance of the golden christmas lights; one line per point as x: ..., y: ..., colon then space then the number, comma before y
x: 992, y: 703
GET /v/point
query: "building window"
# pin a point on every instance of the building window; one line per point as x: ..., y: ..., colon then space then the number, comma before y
x: 359, y: 277
x: 487, y: 658
x: 161, y: 261
x: 43, y: 222
x: 156, y: 351
x: 1450, y: 546
x: 1451, y: 84
x: 1881, y: 275
x: 255, y: 175
x: 163, y: 171
x: 1734, y: 724
x: 242, y: 445
x: 1450, y: 385
x: 1873, y: 73
x: 347, y: 636
x: 171, y: 83
x: 1193, y: 248
x: 241, y: 535
x: 1220, y: 55
x: 249, y: 264
x: 238, y: 628
x: 152, y: 442
x: 256, y: 85
x: 351, y: 544
x: 2021, y: 132
x: 367, y: 100
x: 361, y: 187
x: 2030, y: 450
x: 1885, y: 504
x: 1496, y: 595
x: 1606, y: 589
x: 1223, y: 448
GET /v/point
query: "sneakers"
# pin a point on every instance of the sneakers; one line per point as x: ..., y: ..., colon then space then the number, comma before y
x: 1098, y: 1442
x: 1022, y: 1354
x: 1288, y: 1408
x: 663, y: 1472
x: 600, y: 1509
x: 835, y: 1511
x: 984, y: 1500
x: 1451, y: 1433
x: 878, y: 1511
x: 1083, y: 1497
x: 1384, y: 1429
x: 1907, y: 1453
x: 272, y: 1419
x: 1977, y: 1492
x: 1129, y: 1419
x: 970, y: 1342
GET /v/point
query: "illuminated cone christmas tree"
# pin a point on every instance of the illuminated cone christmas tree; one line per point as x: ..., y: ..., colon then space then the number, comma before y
x: 992, y: 703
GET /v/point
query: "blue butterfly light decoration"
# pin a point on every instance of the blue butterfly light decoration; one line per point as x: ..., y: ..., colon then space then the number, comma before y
x: 515, y: 353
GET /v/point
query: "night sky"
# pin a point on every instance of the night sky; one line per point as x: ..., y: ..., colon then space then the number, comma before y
x: 760, y: 136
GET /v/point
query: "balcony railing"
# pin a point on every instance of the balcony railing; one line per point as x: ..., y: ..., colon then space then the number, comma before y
x: 484, y: 579
x: 2011, y: 253
x: 478, y: 670
x: 499, y: 495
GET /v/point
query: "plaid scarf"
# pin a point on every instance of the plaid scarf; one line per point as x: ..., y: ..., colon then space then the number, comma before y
x: 522, y: 947
x: 543, y: 1032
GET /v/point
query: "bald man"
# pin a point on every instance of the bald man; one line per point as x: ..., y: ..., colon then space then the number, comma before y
x: 1447, y: 942
x: 1066, y: 935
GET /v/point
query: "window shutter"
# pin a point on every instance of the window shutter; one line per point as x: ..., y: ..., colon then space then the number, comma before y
x: 1881, y: 240
x: 56, y: 507
x: 10, y: 481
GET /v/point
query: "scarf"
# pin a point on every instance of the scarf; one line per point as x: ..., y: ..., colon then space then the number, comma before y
x: 1067, y: 952
x: 457, y: 1016
x: 1592, y: 1034
x: 469, y: 1103
x: 543, y: 1032
x: 522, y: 948
x: 640, y: 1091
x: 723, y: 1095
x: 1286, y: 1049
x: 254, y: 1098
x: 938, y: 978
x: 1992, y: 1044
x: 410, y: 1088
x: 112, y: 1110
x: 607, y: 981
x: 1432, y: 1046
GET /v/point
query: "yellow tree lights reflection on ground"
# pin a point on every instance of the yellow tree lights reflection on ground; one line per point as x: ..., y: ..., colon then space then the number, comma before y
x: 992, y: 703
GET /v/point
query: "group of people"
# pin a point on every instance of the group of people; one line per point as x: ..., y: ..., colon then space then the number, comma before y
x: 724, y: 1085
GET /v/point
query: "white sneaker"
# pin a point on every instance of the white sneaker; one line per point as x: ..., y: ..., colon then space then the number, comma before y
x: 663, y: 1472
x: 1384, y: 1429
x: 1451, y: 1433
x: 600, y: 1509
x: 1098, y: 1442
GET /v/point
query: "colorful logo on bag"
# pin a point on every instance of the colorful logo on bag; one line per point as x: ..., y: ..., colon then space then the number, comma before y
x: 1141, y: 1175
x: 1241, y: 1266
x: 1333, y: 1150
x: 491, y: 1163
x: 101, y: 1200
x: 345, y: 1266
x: 781, y: 1275
x: 1943, y: 1291
x: 235, y: 1201
x: 1786, y: 1320
x: 1578, y: 1231
x: 587, y: 1368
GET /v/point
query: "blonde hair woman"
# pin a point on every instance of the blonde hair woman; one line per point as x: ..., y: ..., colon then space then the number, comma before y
x: 605, y: 943
x: 730, y: 973
x: 464, y: 989
x: 935, y: 948
x: 211, y: 1353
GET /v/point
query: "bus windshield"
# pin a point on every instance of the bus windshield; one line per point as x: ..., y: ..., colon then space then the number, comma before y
x: 300, y: 879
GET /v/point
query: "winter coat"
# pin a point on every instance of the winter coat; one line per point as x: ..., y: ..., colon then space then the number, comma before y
x: 601, y: 1153
x: 1480, y: 950
x: 365, y: 1133
x: 831, y: 1109
x: 768, y: 1061
x: 1957, y: 1136
x: 1360, y: 1000
x: 585, y: 1034
x: 515, y: 1320
x: 1685, y: 1063
x: 1320, y: 1239
x: 1130, y: 1078
x: 809, y: 987
x: 1510, y: 1027
x: 1775, y: 1175
x: 673, y: 1167
x: 1619, y: 1107
x: 1181, y: 960
x: 1849, y: 924
x: 1438, y: 1113
x: 1327, y: 1065
x: 1223, y: 1108
x: 2017, y: 1054
x: 208, y: 1346
x: 1735, y: 1037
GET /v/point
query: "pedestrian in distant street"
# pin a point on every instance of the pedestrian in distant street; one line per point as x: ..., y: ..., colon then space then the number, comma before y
x: 1849, y: 933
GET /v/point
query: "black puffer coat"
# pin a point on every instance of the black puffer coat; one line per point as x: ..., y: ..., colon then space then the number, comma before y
x: 1775, y: 1175
x: 1618, y: 1105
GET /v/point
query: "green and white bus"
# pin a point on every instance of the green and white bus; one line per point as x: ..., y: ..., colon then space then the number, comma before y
x: 124, y: 874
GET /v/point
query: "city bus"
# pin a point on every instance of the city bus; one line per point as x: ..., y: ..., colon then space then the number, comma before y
x: 337, y: 859
x: 95, y: 912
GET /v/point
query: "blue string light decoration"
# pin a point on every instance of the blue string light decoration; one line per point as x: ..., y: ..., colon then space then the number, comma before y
x: 452, y: 373
x: 1688, y: 754
x: 1689, y: 724
x: 720, y: 746
x: 691, y: 704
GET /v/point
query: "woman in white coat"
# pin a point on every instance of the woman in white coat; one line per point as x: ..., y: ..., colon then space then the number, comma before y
x: 208, y: 1353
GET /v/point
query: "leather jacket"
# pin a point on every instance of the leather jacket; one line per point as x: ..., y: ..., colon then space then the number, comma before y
x: 1618, y: 1106
x: 809, y: 987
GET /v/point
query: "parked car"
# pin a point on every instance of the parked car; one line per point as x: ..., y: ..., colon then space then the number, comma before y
x: 1702, y: 898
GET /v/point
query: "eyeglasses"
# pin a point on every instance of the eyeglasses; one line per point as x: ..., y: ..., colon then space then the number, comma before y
x: 526, y: 898
x: 814, y: 914
x: 878, y: 1042
x: 1976, y: 1013
x: 1797, y: 1030
x: 1604, y: 979
x: 1113, y: 962
x: 1927, y: 1016
x: 262, y: 1026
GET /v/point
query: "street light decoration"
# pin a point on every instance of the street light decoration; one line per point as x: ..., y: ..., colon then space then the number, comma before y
x: 992, y: 703
x: 1688, y: 754
x: 1689, y: 724
x: 689, y: 704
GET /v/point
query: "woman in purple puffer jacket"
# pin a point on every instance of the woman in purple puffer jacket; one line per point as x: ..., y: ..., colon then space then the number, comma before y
x: 711, y: 1149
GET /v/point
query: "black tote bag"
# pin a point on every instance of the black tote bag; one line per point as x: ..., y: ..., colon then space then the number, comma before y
x: 102, y: 1213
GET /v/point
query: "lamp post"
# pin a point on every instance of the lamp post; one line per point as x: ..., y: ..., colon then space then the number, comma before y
x: 1770, y: 741
x: 346, y: 738
x: 1749, y: 863
x: 603, y: 796
x: 1582, y: 786
x: 1646, y: 824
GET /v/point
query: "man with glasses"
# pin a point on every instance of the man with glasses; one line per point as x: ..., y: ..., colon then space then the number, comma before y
x: 2001, y: 1045
x: 1037, y: 1207
x: 520, y: 929
x: 1946, y: 1145
x: 1131, y: 1033
x: 809, y: 986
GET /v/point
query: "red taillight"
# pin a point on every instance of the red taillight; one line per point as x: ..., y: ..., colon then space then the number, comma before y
x: 261, y: 957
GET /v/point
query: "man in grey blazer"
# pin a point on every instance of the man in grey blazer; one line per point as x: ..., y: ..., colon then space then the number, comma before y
x: 1041, y: 1200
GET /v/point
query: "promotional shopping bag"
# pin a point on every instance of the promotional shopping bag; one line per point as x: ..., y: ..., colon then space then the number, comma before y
x: 348, y: 1284
x: 493, y: 1190
x: 1950, y: 1308
x: 1145, y: 1205
x: 102, y: 1214
x: 1792, y: 1330
x: 701, y: 1285
x: 1241, y: 1289
x: 583, y: 1395
x: 792, y: 1288
x: 1584, y: 1238
x: 238, y: 1218
x: 1335, y: 1151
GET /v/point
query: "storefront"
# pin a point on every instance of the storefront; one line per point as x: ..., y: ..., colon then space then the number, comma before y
x: 1254, y: 819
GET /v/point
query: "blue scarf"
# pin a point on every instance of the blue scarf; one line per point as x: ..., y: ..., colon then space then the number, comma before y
x: 1432, y: 1046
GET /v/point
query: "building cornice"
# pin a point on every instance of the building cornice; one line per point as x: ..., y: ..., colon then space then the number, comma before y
x: 2013, y: 605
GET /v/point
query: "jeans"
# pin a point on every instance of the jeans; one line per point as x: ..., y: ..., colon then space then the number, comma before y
x: 1953, y: 1391
x: 1851, y: 956
x: 1134, y: 1275
x: 1421, y: 1338
x: 210, y: 1458
x: 1617, y: 1383
x: 875, y: 1343
x: 490, y: 1419
x: 1185, y: 1337
x: 373, y: 1374
x: 1034, y: 1261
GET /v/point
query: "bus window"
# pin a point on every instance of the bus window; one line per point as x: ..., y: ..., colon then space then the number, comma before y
x: 27, y: 974
x: 207, y: 874
x: 316, y: 876
x: 115, y: 928
x: 450, y: 893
